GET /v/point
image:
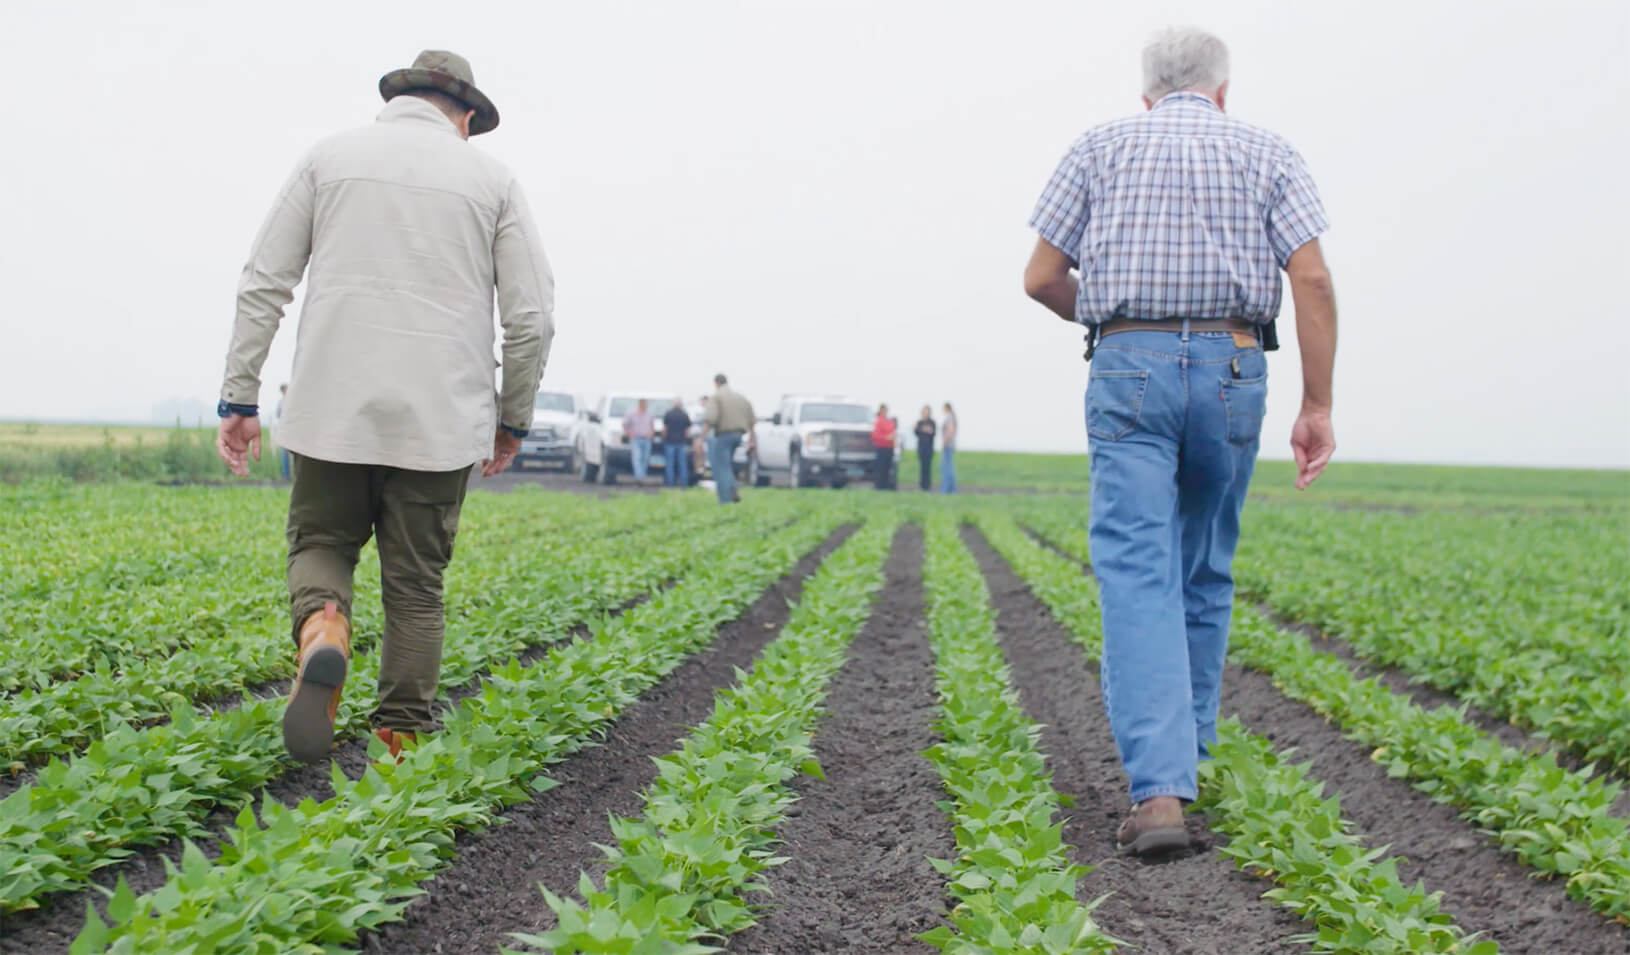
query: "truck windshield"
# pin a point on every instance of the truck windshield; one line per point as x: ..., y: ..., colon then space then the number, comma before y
x: 554, y: 402
x: 835, y: 413
x: 656, y: 407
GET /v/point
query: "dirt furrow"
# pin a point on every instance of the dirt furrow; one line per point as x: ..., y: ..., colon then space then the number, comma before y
x: 1405, y: 684
x: 860, y: 839
x: 1196, y: 903
x: 491, y: 887
x: 1484, y: 888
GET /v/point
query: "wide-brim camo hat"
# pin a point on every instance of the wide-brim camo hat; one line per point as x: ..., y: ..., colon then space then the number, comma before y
x: 448, y: 73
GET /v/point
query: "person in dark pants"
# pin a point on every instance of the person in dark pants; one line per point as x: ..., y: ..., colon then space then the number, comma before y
x: 925, y: 431
x: 676, y: 445
x: 883, y: 431
x: 408, y: 235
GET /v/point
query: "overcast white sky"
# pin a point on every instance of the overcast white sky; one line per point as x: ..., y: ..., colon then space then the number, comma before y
x: 832, y: 196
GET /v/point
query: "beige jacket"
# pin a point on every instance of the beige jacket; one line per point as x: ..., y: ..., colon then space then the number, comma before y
x: 407, y: 230
x: 728, y: 411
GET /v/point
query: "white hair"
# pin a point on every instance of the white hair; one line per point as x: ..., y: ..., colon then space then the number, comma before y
x: 1183, y: 58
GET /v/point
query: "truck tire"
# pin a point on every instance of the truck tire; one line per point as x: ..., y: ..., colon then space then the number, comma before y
x: 585, y: 470
x: 607, y: 476
x: 795, y: 469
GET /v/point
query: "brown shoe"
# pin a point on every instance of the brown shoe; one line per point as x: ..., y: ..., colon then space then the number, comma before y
x: 393, y: 740
x: 314, y: 700
x: 1153, y: 827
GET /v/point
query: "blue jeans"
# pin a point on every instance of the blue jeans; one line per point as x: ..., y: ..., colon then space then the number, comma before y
x: 1173, y: 423
x: 641, y: 453
x: 676, y: 467
x: 721, y: 449
x: 947, y: 471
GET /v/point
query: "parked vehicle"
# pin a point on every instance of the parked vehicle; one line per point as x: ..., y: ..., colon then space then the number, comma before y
x: 602, y: 451
x: 818, y: 438
x: 551, y: 438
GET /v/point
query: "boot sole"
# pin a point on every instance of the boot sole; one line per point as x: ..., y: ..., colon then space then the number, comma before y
x: 308, y: 733
x: 1157, y: 841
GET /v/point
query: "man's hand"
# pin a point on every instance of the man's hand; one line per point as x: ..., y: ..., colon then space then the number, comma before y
x: 236, y: 439
x: 1047, y: 279
x: 1312, y: 441
x: 504, y: 446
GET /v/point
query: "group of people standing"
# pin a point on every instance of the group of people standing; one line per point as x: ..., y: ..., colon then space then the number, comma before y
x: 727, y: 418
x: 640, y: 427
x: 886, y: 438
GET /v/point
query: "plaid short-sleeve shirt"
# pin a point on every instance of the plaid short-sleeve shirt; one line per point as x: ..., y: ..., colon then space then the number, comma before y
x: 1179, y: 212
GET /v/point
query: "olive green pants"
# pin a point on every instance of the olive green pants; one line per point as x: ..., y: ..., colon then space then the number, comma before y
x: 413, y: 516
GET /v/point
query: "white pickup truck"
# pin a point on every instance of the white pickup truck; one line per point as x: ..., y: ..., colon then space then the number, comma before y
x: 553, y: 436
x: 602, y: 451
x: 818, y: 438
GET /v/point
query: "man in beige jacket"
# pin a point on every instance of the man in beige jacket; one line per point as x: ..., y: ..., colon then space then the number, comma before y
x: 405, y: 231
x: 727, y: 420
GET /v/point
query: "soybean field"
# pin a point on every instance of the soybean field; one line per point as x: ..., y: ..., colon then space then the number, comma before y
x: 823, y: 721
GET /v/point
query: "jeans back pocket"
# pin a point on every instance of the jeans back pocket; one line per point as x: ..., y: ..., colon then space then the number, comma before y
x: 1115, y: 402
x: 1245, y: 400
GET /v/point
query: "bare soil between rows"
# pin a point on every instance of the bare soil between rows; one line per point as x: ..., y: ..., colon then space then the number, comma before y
x: 1426, y: 696
x: 1484, y: 888
x: 1198, y: 902
x: 1405, y: 684
x: 858, y: 840
x: 491, y: 887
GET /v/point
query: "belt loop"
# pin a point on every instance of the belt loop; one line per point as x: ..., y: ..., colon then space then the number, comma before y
x: 1185, y: 338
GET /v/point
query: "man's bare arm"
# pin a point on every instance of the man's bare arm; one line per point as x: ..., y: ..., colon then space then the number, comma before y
x: 1312, y: 438
x: 1048, y: 280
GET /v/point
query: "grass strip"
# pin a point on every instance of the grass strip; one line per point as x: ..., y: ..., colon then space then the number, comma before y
x: 679, y: 872
x: 1555, y: 820
x: 316, y: 875
x: 1014, y: 886
x: 139, y: 787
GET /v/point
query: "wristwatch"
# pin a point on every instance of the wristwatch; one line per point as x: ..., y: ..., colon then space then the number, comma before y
x: 517, y: 432
x: 227, y: 409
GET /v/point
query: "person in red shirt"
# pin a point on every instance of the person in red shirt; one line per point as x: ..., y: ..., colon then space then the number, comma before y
x: 883, y: 444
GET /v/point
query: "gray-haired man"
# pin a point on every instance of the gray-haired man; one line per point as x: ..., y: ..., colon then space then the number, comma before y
x: 406, y: 231
x: 1179, y: 221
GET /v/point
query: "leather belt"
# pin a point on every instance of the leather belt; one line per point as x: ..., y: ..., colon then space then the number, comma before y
x: 1176, y: 325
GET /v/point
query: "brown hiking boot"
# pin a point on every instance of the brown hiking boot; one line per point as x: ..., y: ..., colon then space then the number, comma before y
x: 1153, y: 827
x: 393, y: 740
x: 325, y: 649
